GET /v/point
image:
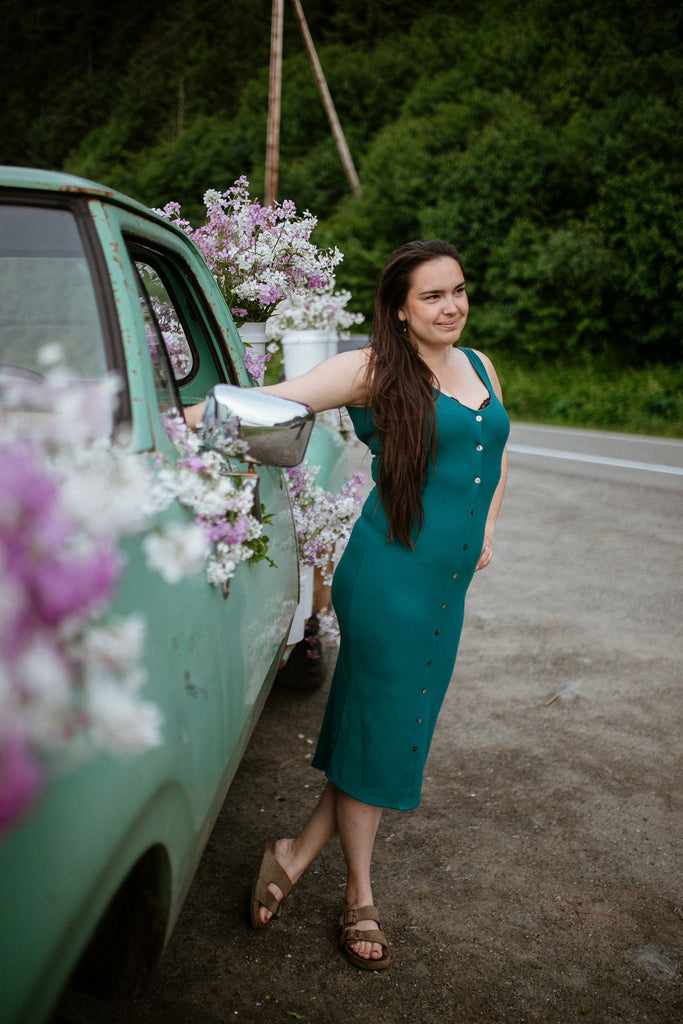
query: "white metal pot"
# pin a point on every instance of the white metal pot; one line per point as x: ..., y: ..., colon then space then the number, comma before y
x: 302, y: 350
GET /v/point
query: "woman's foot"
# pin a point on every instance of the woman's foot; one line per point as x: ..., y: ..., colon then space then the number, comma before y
x: 278, y: 872
x: 361, y: 938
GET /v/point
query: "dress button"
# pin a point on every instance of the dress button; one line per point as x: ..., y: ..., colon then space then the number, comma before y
x: 436, y: 632
x: 479, y: 419
x: 429, y: 663
x: 419, y: 721
x: 480, y: 447
x: 465, y: 547
x: 443, y: 605
x: 473, y: 512
x: 477, y: 479
x: 455, y: 576
x: 414, y: 749
x: 424, y: 689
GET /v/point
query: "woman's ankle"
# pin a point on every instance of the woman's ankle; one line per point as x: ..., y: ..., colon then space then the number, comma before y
x: 358, y: 896
x: 291, y: 858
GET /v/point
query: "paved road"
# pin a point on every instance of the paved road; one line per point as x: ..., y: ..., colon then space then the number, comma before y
x: 651, y: 462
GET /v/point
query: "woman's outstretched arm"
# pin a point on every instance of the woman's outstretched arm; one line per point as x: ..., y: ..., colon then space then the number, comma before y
x: 336, y: 382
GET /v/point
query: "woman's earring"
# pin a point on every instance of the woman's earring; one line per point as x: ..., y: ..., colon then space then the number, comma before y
x: 404, y: 326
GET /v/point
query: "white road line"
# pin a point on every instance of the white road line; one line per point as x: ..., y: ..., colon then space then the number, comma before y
x: 601, y: 460
x: 600, y: 434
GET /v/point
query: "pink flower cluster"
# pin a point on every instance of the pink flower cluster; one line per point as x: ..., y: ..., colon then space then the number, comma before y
x: 50, y: 580
x: 255, y: 362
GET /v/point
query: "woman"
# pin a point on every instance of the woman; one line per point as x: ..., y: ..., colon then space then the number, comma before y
x: 433, y: 418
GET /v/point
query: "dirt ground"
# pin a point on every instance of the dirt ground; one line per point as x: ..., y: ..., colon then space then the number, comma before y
x: 540, y: 879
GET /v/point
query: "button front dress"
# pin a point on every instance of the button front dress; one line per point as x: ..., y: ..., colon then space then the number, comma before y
x: 400, y: 610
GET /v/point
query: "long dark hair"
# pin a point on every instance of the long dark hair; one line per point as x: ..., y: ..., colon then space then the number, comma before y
x: 402, y: 393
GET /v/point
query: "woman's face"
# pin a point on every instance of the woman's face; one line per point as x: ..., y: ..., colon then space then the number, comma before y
x: 436, y: 305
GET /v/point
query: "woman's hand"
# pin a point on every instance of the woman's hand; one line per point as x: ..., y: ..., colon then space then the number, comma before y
x: 193, y: 415
x: 486, y: 553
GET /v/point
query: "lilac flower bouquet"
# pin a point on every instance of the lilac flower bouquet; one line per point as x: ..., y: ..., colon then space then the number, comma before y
x: 258, y: 254
x: 264, y: 261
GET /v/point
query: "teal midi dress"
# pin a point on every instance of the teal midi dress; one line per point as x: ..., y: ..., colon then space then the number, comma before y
x: 400, y: 610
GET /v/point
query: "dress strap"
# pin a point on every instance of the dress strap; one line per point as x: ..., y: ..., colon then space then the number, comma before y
x: 480, y: 368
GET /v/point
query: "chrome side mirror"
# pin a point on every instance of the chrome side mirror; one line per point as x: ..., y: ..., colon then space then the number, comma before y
x: 275, y: 430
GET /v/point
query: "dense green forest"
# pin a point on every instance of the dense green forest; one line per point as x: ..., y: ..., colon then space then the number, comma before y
x: 541, y: 137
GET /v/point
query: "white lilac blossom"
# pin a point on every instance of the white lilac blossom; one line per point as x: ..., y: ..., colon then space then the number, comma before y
x: 117, y: 648
x: 328, y: 627
x: 323, y: 523
x: 221, y: 498
x: 176, y: 551
x: 117, y: 472
x: 120, y: 721
x: 80, y: 412
x: 323, y: 310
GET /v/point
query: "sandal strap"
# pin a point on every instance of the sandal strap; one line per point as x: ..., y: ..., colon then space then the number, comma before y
x: 270, y: 870
x: 276, y: 874
x: 351, y: 915
x: 268, y: 900
x: 372, y: 935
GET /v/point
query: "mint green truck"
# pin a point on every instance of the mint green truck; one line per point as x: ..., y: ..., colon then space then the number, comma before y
x: 93, y: 877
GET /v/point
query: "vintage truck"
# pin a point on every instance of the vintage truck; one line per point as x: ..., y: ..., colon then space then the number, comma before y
x: 93, y: 877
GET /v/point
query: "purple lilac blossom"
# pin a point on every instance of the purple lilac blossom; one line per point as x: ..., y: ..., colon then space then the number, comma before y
x: 232, y: 532
x: 54, y: 581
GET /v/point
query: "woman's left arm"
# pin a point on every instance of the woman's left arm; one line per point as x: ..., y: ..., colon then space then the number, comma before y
x: 338, y: 381
x: 497, y: 500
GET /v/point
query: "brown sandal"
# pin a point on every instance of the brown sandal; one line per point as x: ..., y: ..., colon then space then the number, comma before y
x: 348, y: 935
x: 270, y: 870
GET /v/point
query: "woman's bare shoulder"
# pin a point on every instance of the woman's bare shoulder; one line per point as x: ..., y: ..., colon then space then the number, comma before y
x: 356, y: 356
x: 352, y: 367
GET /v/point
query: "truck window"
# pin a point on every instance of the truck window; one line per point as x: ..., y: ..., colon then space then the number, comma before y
x: 177, y: 319
x: 46, y: 292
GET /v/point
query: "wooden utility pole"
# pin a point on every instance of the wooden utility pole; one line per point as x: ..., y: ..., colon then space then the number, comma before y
x: 274, y: 102
x: 327, y: 102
